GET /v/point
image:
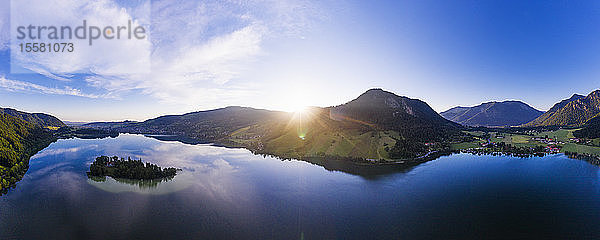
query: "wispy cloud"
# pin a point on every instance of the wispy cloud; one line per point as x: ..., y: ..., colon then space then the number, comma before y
x: 197, y: 48
x: 21, y: 86
x: 43, y: 71
x: 4, y: 25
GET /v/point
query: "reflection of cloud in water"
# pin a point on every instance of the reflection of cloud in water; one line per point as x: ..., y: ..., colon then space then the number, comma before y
x: 217, y: 180
x: 59, y: 178
x: 58, y: 151
x: 207, y: 169
x: 45, y: 170
x: 212, y: 179
x: 211, y: 173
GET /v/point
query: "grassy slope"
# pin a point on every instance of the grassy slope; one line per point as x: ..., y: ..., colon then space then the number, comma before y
x: 315, y: 135
x: 343, y: 143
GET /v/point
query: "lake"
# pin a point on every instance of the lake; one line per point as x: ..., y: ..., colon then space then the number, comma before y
x: 225, y: 193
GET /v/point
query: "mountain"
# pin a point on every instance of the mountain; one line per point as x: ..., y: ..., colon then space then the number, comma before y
x: 387, y: 111
x: 573, y: 112
x: 493, y: 114
x: 40, y: 119
x: 366, y: 127
x: 547, y: 115
x: 454, y: 112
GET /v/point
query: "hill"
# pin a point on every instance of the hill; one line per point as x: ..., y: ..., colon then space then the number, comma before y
x: 40, y: 119
x: 493, y: 114
x: 573, y: 112
x: 204, y: 126
x: 384, y: 110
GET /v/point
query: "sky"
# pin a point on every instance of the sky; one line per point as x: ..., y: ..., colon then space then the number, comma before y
x: 282, y: 55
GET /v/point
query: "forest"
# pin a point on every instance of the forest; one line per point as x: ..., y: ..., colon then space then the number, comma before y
x: 19, y: 140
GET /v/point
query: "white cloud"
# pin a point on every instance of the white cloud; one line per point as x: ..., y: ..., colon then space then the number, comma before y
x: 20, y: 86
x: 43, y: 71
x: 4, y: 25
x: 103, y: 57
x: 198, y: 48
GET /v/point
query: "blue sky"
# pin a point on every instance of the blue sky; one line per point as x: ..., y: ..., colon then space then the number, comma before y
x: 285, y: 54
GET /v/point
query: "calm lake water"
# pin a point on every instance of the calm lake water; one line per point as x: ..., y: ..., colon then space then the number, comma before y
x: 232, y: 194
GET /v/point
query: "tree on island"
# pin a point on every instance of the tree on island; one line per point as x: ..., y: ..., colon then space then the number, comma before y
x: 129, y: 169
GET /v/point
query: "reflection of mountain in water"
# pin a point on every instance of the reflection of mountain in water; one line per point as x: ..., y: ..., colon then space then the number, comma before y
x: 370, y: 171
x: 142, y: 184
x: 176, y: 138
x: 367, y: 171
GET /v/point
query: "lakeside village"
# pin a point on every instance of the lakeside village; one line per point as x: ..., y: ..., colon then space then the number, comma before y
x: 527, y: 144
x: 500, y: 147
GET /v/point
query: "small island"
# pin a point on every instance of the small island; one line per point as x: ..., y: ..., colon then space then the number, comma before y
x: 129, y: 169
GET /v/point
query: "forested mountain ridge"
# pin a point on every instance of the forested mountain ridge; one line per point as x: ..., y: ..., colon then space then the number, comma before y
x: 590, y: 130
x: 553, y: 110
x: 40, y: 119
x: 19, y: 140
x: 493, y: 114
x: 573, y: 114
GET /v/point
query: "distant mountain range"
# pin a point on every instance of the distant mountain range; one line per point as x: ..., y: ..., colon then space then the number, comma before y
x: 206, y: 126
x: 572, y: 112
x: 493, y: 114
x: 40, y: 119
x: 376, y: 125
x: 366, y: 127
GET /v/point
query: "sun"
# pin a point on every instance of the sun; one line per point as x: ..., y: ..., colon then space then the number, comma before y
x: 296, y: 105
x: 300, y: 109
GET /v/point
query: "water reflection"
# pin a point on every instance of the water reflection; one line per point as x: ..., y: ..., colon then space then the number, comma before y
x: 176, y: 138
x: 141, y: 183
x: 61, y: 151
x: 116, y: 185
x: 207, y: 169
x: 232, y: 194
x: 365, y: 171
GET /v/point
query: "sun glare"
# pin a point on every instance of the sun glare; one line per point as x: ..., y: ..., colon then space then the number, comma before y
x: 300, y: 119
x: 299, y: 109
